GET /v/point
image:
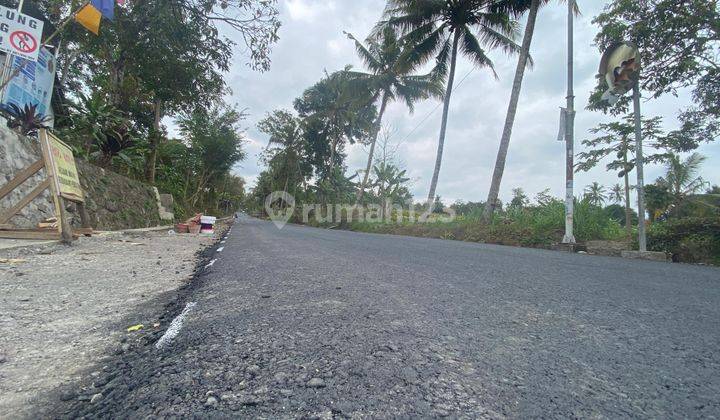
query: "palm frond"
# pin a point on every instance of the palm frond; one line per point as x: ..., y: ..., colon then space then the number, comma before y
x: 442, y: 62
x: 500, y: 35
x: 471, y: 47
x: 425, y: 43
x: 426, y: 83
x: 369, y: 59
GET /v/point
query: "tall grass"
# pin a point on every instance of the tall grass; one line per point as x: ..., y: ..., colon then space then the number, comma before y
x: 537, y: 226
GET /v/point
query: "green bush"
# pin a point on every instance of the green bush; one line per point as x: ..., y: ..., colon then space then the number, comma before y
x: 537, y: 226
x: 692, y: 239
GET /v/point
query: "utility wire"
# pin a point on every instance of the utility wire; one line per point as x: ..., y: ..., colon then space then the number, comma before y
x: 429, y: 114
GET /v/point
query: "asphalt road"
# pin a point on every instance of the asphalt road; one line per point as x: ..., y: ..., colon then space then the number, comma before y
x: 312, y: 323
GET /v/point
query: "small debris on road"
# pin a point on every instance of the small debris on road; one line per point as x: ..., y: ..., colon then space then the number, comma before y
x: 315, y: 383
x: 134, y: 328
x: 12, y: 260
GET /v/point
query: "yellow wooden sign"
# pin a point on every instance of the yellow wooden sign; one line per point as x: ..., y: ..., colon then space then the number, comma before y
x: 63, y: 168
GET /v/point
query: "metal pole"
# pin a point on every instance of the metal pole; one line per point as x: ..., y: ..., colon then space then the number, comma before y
x: 639, y: 166
x: 569, y: 237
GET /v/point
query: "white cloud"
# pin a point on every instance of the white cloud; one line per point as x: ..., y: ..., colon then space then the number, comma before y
x: 336, y: 46
x: 307, y: 10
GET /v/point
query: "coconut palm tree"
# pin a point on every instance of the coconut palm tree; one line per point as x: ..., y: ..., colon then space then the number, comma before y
x: 390, y: 79
x: 595, y: 194
x: 335, y: 112
x: 444, y: 28
x: 285, y: 151
x: 516, y: 8
x: 681, y: 176
x: 616, y: 194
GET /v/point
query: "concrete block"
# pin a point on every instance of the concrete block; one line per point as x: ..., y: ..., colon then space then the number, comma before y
x: 646, y: 255
x: 569, y: 247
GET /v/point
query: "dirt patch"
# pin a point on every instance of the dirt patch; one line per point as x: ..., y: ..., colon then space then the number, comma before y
x: 65, y: 309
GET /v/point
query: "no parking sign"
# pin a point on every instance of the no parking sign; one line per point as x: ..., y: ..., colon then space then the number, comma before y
x: 20, y: 34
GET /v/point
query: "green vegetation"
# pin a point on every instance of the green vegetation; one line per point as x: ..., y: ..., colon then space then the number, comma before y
x: 158, y: 60
x: 689, y: 239
x: 306, y: 152
x: 537, y: 226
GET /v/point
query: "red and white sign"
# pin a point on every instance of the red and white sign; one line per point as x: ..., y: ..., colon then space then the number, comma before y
x: 20, y: 34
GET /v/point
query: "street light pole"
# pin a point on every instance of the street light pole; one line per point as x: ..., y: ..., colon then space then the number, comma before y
x: 639, y: 166
x: 569, y: 237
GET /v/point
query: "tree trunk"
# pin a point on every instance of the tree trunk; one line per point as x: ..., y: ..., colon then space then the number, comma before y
x: 117, y: 77
x: 628, y: 211
x: 378, y: 125
x: 154, y: 144
x: 443, y: 126
x: 491, y: 203
x: 331, y: 166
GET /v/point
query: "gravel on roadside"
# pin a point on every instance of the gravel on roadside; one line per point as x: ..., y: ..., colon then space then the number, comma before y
x: 63, y: 309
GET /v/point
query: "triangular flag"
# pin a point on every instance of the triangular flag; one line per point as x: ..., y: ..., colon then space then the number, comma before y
x: 89, y: 17
x: 106, y: 7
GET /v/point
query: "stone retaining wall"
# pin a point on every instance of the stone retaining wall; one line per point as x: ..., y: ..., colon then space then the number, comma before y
x: 113, y: 201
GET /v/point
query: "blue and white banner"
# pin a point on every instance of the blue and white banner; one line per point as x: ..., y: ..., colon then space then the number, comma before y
x: 33, y: 85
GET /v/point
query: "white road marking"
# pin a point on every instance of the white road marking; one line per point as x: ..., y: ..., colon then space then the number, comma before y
x: 221, y: 249
x: 222, y: 242
x: 211, y: 263
x: 175, y: 326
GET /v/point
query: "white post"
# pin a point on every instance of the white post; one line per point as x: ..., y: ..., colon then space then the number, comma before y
x: 642, y: 240
x: 569, y: 237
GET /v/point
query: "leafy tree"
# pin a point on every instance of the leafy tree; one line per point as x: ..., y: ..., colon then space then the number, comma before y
x: 544, y: 198
x: 617, y: 212
x: 616, y: 141
x: 444, y: 28
x: 438, y: 206
x: 334, y: 113
x: 681, y: 176
x: 715, y: 189
x: 215, y: 141
x: 515, y: 8
x: 678, y: 41
x: 286, y: 150
x: 162, y: 57
x: 595, y: 194
x: 391, y: 79
x: 657, y: 200
x: 231, y: 193
x: 519, y: 199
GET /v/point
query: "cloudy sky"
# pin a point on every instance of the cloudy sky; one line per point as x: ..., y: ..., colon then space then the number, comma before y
x: 312, y: 40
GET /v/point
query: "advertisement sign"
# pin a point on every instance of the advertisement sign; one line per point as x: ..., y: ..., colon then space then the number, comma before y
x: 20, y: 34
x: 63, y: 168
x: 33, y: 85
